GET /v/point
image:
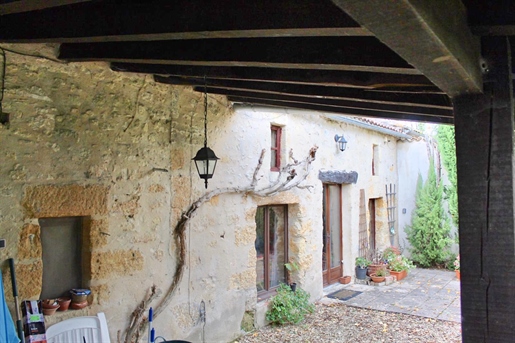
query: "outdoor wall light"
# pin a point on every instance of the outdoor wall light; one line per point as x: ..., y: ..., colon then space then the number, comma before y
x: 205, y: 159
x: 342, y: 143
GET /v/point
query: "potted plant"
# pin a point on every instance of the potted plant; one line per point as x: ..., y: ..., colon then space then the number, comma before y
x: 292, y: 267
x: 390, y: 253
x: 376, y: 263
x: 361, y: 267
x: 379, y: 275
x: 399, y: 267
x: 457, y: 267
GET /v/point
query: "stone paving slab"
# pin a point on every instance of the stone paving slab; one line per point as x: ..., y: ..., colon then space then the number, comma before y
x: 424, y: 292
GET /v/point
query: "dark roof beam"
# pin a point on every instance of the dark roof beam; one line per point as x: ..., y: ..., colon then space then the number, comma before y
x: 300, y: 76
x: 364, y: 54
x: 331, y: 102
x: 419, y: 100
x: 30, y: 5
x: 346, y: 111
x: 103, y: 21
x: 433, y: 36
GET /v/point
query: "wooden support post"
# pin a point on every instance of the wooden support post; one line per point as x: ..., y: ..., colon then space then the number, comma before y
x: 484, y: 144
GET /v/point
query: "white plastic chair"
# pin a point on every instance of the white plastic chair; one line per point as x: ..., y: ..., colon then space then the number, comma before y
x: 80, y: 330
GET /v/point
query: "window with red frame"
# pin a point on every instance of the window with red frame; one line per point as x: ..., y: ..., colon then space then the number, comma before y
x: 275, y: 148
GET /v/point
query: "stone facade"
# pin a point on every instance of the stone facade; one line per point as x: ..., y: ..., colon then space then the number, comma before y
x: 116, y: 149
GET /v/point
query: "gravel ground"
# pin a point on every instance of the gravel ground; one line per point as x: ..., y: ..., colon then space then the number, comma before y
x: 341, y: 323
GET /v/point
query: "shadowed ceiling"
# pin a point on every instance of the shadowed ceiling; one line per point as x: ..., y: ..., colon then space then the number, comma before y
x: 401, y: 59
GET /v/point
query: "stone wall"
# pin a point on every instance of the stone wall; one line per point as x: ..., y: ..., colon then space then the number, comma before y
x: 116, y: 148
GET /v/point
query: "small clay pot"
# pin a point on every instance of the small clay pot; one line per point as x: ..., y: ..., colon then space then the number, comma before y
x: 376, y: 278
x: 78, y: 306
x: 345, y: 279
x: 49, y: 311
x: 64, y: 303
x: 50, y: 303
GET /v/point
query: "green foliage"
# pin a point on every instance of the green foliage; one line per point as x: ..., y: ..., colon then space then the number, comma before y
x: 390, y: 253
x: 447, y: 146
x: 400, y: 263
x: 429, y: 233
x: 362, y: 262
x: 288, y: 306
x: 381, y: 272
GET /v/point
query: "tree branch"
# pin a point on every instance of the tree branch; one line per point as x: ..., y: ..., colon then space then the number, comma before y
x: 138, y: 320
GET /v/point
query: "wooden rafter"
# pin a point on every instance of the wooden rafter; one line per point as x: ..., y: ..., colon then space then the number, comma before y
x: 433, y: 36
x: 333, y: 53
x: 346, y: 111
x: 350, y: 104
x: 20, y: 6
x: 103, y: 21
x: 407, y: 99
x: 301, y: 76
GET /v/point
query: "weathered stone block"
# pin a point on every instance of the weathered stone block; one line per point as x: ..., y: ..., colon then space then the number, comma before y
x: 68, y: 200
x: 111, y: 263
x: 30, y: 279
x: 29, y: 246
x: 243, y: 280
x: 337, y: 176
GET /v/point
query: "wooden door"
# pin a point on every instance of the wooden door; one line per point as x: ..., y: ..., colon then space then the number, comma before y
x: 372, y: 225
x: 332, y: 234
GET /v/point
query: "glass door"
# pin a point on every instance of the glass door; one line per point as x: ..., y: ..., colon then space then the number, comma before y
x: 332, y: 234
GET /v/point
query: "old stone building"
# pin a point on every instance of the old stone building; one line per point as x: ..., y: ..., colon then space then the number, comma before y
x: 112, y: 151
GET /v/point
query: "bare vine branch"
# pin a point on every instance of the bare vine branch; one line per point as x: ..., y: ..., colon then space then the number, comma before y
x: 138, y: 321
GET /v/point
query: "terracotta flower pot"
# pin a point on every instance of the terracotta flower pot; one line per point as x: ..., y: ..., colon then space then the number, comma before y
x: 64, y: 303
x: 377, y: 279
x: 345, y: 279
x: 49, y: 306
x: 78, y: 306
x: 49, y: 311
x: 399, y: 275
x: 458, y: 274
x: 374, y: 268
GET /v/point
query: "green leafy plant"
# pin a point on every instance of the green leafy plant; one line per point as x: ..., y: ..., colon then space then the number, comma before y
x: 380, y: 272
x: 288, y: 307
x: 429, y: 233
x: 401, y: 263
x: 390, y: 253
x: 447, y: 147
x: 362, y: 262
x: 457, y: 263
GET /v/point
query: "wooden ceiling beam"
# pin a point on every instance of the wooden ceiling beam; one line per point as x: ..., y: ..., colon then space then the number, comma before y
x: 301, y: 76
x: 349, y: 104
x: 20, y: 6
x: 333, y: 53
x: 433, y: 36
x: 345, y: 111
x: 407, y: 99
x: 102, y: 21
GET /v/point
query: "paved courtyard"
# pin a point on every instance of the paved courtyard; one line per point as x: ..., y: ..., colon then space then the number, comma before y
x: 424, y: 292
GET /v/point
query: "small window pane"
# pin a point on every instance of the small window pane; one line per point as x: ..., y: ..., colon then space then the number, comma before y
x: 277, y: 253
x: 273, y: 161
x: 274, y: 138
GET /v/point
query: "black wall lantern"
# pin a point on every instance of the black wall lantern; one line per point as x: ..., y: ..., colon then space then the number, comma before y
x: 205, y: 159
x: 342, y: 143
